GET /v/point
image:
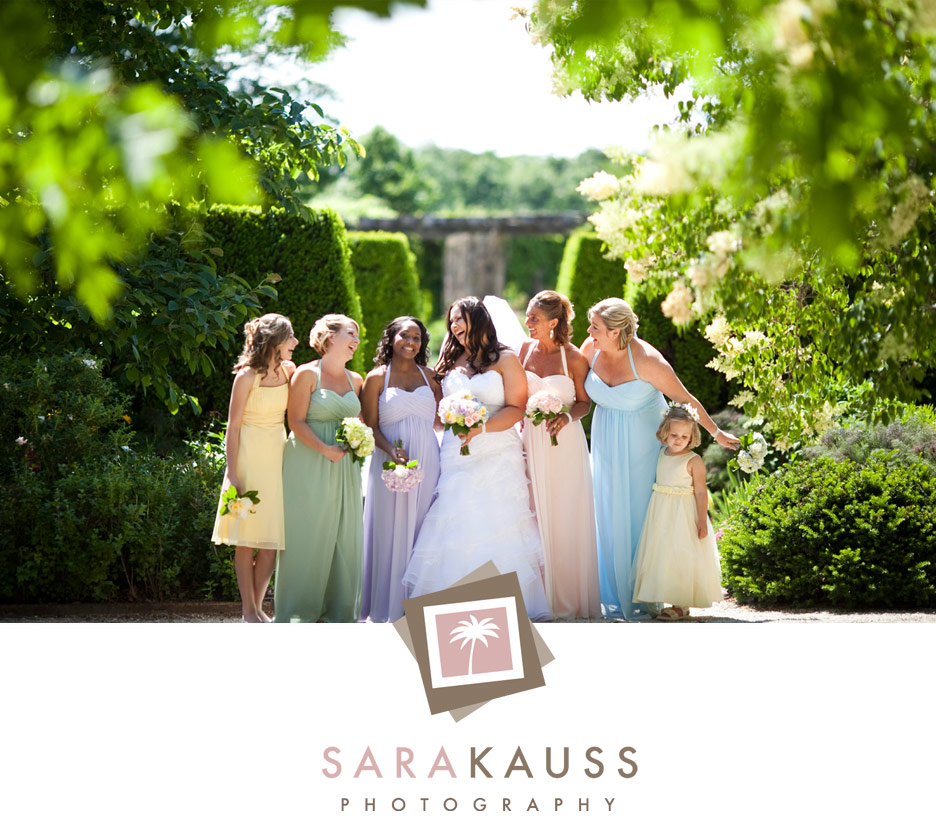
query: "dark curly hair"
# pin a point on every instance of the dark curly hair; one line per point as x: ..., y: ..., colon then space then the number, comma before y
x: 482, y: 346
x: 385, y: 346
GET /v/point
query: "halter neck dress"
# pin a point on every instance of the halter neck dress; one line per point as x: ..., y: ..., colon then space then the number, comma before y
x: 318, y: 573
x: 624, y: 458
x: 561, y: 490
x: 392, y: 519
x: 259, y: 467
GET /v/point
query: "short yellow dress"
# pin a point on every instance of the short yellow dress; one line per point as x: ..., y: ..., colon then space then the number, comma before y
x: 673, y: 564
x: 259, y: 467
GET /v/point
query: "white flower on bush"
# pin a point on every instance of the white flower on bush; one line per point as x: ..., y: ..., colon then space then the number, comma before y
x: 90, y: 363
x: 600, y: 186
x: 678, y: 304
x: 636, y: 269
x: 718, y: 331
x: 21, y: 441
x: 723, y: 243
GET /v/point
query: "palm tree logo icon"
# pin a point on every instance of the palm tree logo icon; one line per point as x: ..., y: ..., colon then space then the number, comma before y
x: 474, y: 632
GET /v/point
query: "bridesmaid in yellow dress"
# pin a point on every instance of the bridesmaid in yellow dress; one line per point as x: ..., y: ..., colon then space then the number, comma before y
x: 254, y: 448
x: 560, y: 476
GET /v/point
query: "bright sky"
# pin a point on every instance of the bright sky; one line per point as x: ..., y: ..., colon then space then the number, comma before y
x: 461, y: 74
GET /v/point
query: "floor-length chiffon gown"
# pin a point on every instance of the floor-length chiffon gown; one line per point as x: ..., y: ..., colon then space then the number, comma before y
x: 561, y: 486
x: 392, y: 519
x: 260, y: 468
x: 318, y: 573
x: 481, y: 511
x: 624, y: 458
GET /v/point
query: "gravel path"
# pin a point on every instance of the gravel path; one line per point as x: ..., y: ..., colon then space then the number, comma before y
x: 725, y: 611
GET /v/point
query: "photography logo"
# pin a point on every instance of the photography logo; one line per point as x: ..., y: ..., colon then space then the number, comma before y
x: 473, y: 642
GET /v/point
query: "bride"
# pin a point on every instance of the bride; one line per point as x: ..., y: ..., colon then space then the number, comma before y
x: 482, y: 509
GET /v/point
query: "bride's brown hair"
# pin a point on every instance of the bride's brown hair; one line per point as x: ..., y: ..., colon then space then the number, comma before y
x: 262, y: 336
x: 481, y: 343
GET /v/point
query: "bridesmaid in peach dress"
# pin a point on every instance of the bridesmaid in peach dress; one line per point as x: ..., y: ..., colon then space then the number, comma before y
x: 560, y: 476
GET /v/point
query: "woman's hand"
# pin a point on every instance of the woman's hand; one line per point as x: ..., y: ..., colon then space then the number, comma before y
x: 334, y: 452
x: 727, y: 440
x: 399, y: 455
x: 556, y: 424
x: 466, y: 438
x: 702, y: 526
x: 234, y: 481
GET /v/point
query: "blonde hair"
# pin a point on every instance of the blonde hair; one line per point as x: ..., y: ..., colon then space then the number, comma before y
x: 262, y: 337
x: 618, y: 316
x: 680, y: 414
x: 325, y: 328
x: 556, y: 307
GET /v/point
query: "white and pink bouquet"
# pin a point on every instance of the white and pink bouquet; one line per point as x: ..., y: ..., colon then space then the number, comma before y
x: 401, y: 477
x: 545, y: 405
x: 357, y: 436
x: 461, y: 412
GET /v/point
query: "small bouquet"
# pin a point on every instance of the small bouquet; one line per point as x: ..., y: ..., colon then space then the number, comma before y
x: 232, y: 502
x: 401, y: 477
x: 358, y: 437
x: 460, y: 413
x: 753, y: 451
x: 545, y: 405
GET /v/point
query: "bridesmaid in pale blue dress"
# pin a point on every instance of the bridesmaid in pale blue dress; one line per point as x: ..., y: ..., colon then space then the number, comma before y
x: 399, y: 403
x: 627, y: 381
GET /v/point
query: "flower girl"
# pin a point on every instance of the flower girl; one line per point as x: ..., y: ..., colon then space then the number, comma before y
x: 677, y: 559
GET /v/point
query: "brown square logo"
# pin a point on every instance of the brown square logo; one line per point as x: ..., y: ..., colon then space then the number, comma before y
x: 474, y: 642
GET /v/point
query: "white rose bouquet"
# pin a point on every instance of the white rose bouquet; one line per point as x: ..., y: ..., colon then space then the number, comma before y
x: 233, y: 502
x: 545, y: 405
x: 461, y: 412
x: 401, y: 477
x: 358, y: 437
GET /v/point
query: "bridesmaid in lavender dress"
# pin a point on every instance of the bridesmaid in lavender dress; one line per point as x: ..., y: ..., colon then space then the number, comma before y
x: 399, y: 403
x: 560, y: 476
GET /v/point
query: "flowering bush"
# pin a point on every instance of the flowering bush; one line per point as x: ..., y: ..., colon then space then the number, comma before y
x: 543, y: 406
x: 358, y: 437
x: 461, y: 412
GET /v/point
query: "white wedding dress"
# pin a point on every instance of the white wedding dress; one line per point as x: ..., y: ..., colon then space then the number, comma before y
x: 481, y: 510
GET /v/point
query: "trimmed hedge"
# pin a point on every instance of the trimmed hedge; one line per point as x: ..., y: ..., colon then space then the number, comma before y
x: 313, y: 261
x: 429, y: 255
x: 686, y: 349
x: 386, y: 279
x: 841, y: 533
x: 585, y: 276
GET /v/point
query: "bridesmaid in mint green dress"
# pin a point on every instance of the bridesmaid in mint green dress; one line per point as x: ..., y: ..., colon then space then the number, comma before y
x: 318, y: 574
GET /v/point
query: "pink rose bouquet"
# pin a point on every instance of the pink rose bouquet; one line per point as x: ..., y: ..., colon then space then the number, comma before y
x: 461, y: 412
x: 401, y: 477
x: 545, y: 405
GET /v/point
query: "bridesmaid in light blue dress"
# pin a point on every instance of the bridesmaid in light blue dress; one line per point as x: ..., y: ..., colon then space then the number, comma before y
x: 399, y: 403
x: 627, y: 381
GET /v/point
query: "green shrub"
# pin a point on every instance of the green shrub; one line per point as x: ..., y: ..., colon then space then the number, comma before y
x: 429, y: 255
x: 585, y: 276
x: 386, y: 279
x: 533, y: 265
x: 839, y: 533
x: 912, y: 438
x: 84, y: 514
x: 686, y: 349
x: 313, y: 262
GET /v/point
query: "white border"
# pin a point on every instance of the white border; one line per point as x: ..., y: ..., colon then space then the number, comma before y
x: 430, y: 613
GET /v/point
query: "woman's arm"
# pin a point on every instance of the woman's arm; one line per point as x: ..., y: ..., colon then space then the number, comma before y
x: 697, y: 471
x: 370, y: 411
x: 436, y: 387
x: 653, y: 367
x: 301, y: 386
x: 240, y: 390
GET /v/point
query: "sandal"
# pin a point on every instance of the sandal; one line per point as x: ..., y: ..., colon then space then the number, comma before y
x: 673, y: 614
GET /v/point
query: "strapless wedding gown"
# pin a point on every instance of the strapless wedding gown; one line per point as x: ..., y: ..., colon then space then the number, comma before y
x: 481, y: 510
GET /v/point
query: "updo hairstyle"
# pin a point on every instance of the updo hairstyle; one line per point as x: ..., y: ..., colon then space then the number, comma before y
x: 618, y: 316
x: 325, y: 328
x: 556, y: 307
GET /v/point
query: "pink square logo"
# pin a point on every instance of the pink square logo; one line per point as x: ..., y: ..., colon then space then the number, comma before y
x: 473, y: 643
